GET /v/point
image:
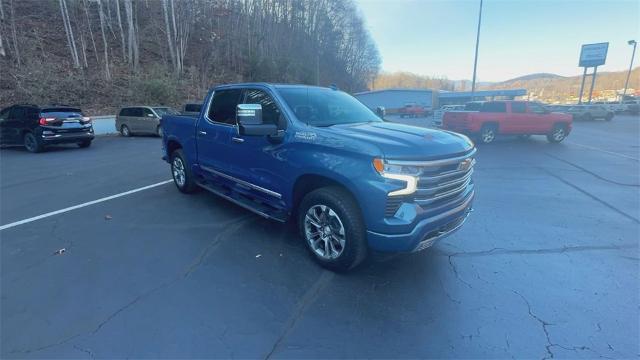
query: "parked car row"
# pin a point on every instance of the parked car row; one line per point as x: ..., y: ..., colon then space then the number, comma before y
x: 38, y: 126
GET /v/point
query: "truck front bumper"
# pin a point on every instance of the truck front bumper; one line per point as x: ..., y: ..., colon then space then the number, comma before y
x: 426, y: 232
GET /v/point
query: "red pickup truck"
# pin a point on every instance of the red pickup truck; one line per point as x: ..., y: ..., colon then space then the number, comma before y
x: 413, y: 110
x: 522, y: 118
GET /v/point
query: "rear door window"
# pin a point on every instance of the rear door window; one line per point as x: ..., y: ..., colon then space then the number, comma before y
x: 494, y: 107
x: 125, y: 112
x: 16, y: 112
x: 518, y: 107
x: 223, y: 106
x: 537, y: 108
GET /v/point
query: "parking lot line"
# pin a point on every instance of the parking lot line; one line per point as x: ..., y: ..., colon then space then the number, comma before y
x: 603, y: 150
x: 52, y: 213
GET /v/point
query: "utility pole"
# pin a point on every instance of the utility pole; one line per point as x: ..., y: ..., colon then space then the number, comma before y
x: 626, y: 83
x: 475, y: 61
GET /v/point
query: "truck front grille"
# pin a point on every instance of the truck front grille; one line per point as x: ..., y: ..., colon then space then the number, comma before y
x: 444, y: 182
x: 440, y: 182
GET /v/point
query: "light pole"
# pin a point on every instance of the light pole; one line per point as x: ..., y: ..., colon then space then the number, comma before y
x: 475, y: 61
x: 626, y: 83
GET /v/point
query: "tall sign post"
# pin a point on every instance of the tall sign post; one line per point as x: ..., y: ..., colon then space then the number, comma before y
x: 591, y: 56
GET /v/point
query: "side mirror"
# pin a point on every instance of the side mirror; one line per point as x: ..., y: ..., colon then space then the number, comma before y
x: 249, y: 121
x: 381, y: 112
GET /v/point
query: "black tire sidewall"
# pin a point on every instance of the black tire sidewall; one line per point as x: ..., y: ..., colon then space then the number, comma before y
x: 347, y: 209
x: 37, y: 147
x: 122, y: 132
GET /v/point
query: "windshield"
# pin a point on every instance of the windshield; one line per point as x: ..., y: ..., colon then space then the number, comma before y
x: 161, y: 111
x: 326, y: 107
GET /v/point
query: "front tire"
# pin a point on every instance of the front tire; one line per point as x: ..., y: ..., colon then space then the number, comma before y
x: 331, y: 225
x: 32, y: 143
x: 557, y: 134
x: 181, y: 173
x: 488, y: 134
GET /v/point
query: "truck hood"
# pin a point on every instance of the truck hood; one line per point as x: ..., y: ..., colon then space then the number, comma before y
x: 404, y: 142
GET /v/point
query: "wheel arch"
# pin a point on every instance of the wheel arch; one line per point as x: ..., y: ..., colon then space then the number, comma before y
x: 307, y: 183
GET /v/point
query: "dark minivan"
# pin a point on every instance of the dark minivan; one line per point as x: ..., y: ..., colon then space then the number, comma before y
x: 36, y: 127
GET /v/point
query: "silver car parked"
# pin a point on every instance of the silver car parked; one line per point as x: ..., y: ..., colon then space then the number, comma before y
x: 590, y: 112
x: 142, y: 119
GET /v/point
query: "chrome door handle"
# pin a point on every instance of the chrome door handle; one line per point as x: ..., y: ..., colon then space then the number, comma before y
x: 237, y: 139
x: 200, y: 132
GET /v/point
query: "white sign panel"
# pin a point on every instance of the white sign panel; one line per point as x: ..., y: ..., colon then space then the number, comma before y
x: 593, y: 54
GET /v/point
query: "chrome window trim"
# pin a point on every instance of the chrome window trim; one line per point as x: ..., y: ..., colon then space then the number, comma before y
x: 433, y: 162
x: 242, y: 182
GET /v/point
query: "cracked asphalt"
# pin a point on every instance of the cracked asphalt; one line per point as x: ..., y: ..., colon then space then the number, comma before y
x: 546, y: 267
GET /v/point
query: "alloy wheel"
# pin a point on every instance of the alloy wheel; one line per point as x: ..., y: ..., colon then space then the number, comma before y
x: 179, y: 175
x: 558, y: 134
x: 488, y: 135
x: 324, y: 232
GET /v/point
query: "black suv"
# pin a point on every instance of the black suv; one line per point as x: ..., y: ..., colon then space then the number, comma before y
x: 35, y: 127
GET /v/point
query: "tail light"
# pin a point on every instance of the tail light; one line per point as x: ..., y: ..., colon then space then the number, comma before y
x: 46, y: 121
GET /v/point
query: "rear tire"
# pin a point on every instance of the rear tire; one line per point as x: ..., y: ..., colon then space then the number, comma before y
x: 488, y: 133
x: 587, y: 117
x: 609, y: 117
x: 159, y: 130
x: 84, y: 144
x: 32, y: 143
x: 557, y: 134
x: 124, y: 130
x: 181, y: 172
x: 331, y: 225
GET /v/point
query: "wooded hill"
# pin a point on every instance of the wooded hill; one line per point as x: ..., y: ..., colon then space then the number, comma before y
x: 102, y: 54
x: 555, y: 87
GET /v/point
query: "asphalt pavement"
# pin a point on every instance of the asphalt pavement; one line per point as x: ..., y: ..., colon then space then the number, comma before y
x: 546, y: 266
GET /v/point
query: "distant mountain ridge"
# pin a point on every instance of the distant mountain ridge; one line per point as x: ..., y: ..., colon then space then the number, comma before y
x: 533, y: 77
x: 556, y: 87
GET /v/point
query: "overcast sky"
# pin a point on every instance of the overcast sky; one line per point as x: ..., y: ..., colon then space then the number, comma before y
x: 517, y: 37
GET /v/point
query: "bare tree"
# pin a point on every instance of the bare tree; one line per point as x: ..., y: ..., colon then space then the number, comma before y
x: 69, y: 31
x: 14, y: 33
x: 131, y: 36
x: 107, y: 73
x: 2, y: 51
x: 124, y: 51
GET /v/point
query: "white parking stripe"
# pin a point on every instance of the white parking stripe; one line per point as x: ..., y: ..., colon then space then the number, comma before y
x: 7, y: 226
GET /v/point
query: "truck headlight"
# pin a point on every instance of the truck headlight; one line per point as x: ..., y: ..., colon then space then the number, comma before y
x: 408, y: 174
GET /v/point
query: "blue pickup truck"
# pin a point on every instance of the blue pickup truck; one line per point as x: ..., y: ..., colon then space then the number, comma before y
x: 352, y: 181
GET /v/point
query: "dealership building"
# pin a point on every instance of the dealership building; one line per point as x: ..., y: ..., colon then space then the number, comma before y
x: 392, y: 99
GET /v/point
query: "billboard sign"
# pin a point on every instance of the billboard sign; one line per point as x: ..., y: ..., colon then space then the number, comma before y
x: 593, y: 54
